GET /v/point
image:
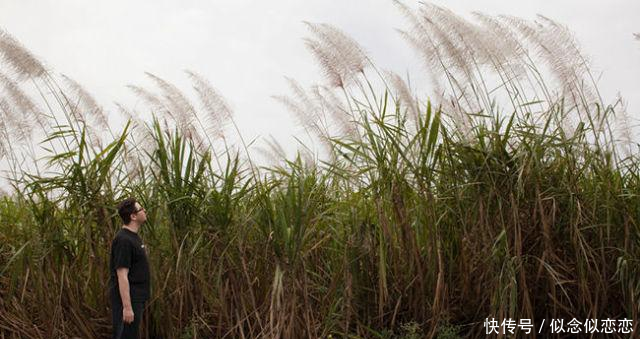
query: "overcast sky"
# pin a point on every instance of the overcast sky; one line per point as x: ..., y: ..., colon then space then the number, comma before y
x: 245, y: 48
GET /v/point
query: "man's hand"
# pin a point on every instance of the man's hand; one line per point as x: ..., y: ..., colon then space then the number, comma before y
x: 127, y: 315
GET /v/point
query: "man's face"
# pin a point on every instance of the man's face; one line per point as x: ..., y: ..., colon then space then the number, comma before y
x: 140, y: 215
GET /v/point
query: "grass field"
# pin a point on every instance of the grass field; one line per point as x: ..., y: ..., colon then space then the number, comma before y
x: 511, y: 191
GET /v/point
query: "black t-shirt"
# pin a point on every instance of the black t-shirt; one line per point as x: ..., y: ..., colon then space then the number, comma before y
x: 127, y: 250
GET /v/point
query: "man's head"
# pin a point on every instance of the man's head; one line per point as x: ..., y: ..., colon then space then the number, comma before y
x: 131, y: 211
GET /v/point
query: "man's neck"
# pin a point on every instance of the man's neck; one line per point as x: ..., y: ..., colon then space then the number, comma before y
x: 133, y: 227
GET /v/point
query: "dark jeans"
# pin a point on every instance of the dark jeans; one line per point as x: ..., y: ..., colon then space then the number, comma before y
x: 122, y: 330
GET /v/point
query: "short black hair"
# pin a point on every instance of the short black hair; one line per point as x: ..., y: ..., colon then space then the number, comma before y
x: 126, y: 208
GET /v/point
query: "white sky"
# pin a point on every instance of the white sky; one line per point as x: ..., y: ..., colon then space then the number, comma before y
x: 245, y: 48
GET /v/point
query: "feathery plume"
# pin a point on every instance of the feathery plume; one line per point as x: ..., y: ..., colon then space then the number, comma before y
x: 218, y: 111
x: 508, y: 50
x: 448, y: 45
x: 301, y: 95
x: 139, y: 131
x: 148, y: 97
x: 467, y: 39
x: 624, y: 126
x: 328, y: 62
x: 276, y: 147
x: 300, y: 113
x: 441, y: 53
x: 87, y: 102
x: 151, y: 100
x: 21, y: 131
x: 303, y: 106
x: 307, y: 157
x: 563, y: 41
x: 557, y: 47
x: 403, y: 94
x: 73, y: 106
x: 125, y: 112
x: 273, y: 152
x: 3, y: 139
x: 21, y: 61
x: 337, y: 110
x: 328, y: 105
x: 177, y: 103
x: 508, y: 57
x: 434, y: 66
x: 340, y: 57
x: 467, y: 47
x: 90, y: 131
x: 22, y: 101
x: 94, y: 137
x: 516, y: 61
x: 421, y: 40
x: 306, y: 110
x: 354, y: 57
x: 133, y: 163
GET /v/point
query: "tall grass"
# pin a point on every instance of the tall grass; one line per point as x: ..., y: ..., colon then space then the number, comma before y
x: 508, y: 196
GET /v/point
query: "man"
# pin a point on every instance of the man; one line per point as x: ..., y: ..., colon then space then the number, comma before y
x: 130, y: 277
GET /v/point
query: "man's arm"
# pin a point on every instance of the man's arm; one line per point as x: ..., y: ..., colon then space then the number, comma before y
x: 123, y: 287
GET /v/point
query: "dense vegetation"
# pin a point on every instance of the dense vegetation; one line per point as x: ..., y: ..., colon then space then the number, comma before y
x: 508, y: 196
